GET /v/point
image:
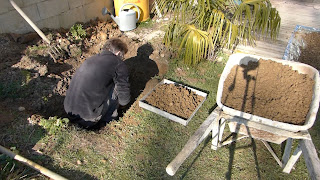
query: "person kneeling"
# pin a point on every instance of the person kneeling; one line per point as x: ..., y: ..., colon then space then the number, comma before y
x: 99, y: 86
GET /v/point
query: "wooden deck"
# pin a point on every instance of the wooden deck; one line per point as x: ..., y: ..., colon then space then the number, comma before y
x: 292, y: 13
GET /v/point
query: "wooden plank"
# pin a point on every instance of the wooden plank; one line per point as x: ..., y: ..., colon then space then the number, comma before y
x: 280, y: 132
x: 233, y: 139
x: 275, y: 52
x: 272, y: 152
x: 311, y: 158
x: 217, y: 130
x: 215, y: 134
x: 221, y: 129
x: 256, y: 133
x: 193, y: 142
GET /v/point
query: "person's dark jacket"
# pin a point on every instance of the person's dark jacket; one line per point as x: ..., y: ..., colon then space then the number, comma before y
x: 91, y: 84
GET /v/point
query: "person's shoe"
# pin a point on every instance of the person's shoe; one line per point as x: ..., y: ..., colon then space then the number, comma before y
x: 115, y: 114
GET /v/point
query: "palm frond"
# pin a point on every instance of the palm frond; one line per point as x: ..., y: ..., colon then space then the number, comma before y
x: 202, y: 25
x: 257, y: 16
x: 195, y: 44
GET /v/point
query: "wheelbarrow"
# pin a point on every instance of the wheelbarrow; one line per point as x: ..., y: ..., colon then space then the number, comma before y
x: 252, y: 126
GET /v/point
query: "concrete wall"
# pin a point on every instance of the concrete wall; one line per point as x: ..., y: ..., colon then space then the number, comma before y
x: 49, y: 13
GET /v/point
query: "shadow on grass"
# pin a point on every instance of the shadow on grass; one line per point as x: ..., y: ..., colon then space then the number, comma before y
x: 141, y: 69
x: 65, y: 173
x: 24, y: 85
x: 232, y: 149
x: 24, y: 137
x: 206, y: 141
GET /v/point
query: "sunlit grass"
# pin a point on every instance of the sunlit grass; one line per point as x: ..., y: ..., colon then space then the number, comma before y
x: 141, y: 144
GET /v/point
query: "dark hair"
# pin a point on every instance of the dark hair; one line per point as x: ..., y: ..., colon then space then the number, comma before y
x: 115, y: 45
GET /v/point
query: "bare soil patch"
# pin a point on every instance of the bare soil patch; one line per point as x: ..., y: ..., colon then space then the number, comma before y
x: 174, y: 99
x: 270, y: 90
x: 310, y: 53
x: 30, y: 77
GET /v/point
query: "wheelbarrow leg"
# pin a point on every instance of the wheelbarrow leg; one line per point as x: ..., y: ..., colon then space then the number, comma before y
x: 293, y: 159
x: 217, y: 132
x: 287, y: 151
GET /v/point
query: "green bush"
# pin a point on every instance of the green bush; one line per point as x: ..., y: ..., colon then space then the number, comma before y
x: 53, y: 125
x: 77, y: 31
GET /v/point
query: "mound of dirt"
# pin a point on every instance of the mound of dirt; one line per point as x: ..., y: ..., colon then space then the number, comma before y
x: 174, y: 99
x: 310, y: 54
x: 269, y: 89
x: 31, y: 78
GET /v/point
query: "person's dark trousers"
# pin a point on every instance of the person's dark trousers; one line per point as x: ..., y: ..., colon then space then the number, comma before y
x: 108, y: 113
x: 110, y: 108
x: 82, y: 122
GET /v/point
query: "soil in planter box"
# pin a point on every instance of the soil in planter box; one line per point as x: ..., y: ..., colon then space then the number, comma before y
x: 174, y: 99
x: 310, y: 54
x: 269, y: 89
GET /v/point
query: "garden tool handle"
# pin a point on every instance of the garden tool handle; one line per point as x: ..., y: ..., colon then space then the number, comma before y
x: 31, y: 164
x: 40, y: 33
x: 194, y: 141
x: 134, y: 6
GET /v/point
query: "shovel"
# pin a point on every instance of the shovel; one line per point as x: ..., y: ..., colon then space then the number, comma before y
x: 31, y: 164
x: 54, y: 51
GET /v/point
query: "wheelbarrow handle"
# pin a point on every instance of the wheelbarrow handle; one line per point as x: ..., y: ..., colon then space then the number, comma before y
x: 40, y: 33
x: 193, y: 142
x: 29, y: 163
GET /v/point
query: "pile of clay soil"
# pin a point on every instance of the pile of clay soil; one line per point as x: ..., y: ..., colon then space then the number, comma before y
x: 174, y: 99
x: 269, y: 89
x: 310, y: 54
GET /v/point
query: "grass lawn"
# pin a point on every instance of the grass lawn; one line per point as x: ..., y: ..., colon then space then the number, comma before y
x: 141, y: 144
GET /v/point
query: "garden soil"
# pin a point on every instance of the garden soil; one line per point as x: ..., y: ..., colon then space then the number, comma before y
x: 174, y: 99
x: 310, y: 54
x: 269, y: 89
x: 34, y: 84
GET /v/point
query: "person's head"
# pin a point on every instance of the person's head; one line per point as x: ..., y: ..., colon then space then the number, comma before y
x: 117, y: 47
x: 145, y: 50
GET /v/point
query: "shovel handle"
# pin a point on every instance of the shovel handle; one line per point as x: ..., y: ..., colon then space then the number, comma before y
x: 31, y: 164
x: 40, y: 33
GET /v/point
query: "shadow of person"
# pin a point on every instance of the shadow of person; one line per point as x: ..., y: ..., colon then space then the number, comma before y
x: 141, y: 69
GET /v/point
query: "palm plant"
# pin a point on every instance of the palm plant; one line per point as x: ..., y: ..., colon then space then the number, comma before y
x: 199, y: 27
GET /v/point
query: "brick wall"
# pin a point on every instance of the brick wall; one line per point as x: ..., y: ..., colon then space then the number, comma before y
x: 49, y: 13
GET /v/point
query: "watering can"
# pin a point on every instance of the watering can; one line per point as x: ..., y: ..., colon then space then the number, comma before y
x: 127, y: 17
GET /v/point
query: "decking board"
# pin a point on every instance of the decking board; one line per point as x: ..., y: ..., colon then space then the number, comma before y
x: 292, y: 13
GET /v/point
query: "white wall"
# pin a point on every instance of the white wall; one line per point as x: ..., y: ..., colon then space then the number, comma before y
x: 49, y: 13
